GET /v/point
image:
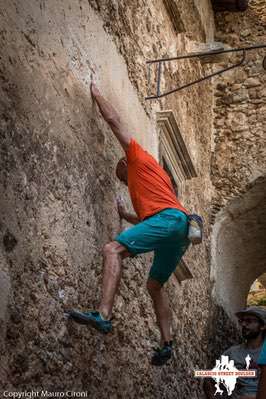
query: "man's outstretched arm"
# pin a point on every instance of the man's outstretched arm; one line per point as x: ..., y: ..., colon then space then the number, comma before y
x: 111, y: 117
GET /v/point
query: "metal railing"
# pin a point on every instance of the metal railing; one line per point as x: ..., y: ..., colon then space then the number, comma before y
x: 161, y: 61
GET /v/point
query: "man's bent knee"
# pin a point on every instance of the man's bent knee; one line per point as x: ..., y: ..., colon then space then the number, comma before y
x: 115, y: 248
x: 109, y: 248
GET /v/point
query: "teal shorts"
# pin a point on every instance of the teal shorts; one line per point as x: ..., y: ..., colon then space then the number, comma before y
x: 165, y: 233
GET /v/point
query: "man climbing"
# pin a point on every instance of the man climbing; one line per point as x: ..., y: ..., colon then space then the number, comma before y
x: 161, y: 225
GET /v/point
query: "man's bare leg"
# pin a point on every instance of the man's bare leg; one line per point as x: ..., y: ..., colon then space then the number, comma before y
x: 114, y: 253
x: 162, y: 309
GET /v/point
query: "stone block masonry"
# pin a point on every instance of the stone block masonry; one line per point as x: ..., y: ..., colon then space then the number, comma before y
x: 58, y: 195
x: 238, y: 172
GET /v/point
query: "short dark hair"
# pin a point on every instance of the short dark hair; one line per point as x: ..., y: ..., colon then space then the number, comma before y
x: 121, y: 160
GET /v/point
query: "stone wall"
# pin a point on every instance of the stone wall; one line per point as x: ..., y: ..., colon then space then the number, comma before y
x: 239, y: 151
x: 238, y: 170
x: 58, y: 195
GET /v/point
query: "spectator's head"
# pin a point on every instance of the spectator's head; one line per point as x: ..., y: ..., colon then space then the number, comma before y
x: 121, y: 170
x: 252, y: 321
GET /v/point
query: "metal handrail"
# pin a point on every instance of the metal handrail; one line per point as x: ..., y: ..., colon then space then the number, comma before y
x: 160, y: 62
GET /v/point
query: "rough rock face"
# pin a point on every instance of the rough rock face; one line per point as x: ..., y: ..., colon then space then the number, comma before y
x: 238, y: 168
x: 58, y: 196
x: 239, y: 152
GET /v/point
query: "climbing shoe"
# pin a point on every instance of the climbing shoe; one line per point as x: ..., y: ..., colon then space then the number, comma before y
x: 162, y: 355
x: 93, y: 319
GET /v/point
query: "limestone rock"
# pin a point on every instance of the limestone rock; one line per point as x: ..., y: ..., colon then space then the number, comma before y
x: 252, y: 82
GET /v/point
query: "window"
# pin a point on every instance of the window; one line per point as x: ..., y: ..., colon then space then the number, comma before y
x: 175, y: 159
x: 168, y: 170
x: 173, y: 154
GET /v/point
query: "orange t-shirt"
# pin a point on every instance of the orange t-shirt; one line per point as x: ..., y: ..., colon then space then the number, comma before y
x: 149, y: 185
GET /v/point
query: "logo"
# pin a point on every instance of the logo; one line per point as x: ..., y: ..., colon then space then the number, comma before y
x: 226, y: 374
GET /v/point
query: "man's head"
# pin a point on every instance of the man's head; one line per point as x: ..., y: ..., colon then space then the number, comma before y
x: 121, y: 170
x: 252, y: 321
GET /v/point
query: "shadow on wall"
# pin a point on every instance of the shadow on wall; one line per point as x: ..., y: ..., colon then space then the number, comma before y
x: 238, y: 258
x: 238, y: 247
x: 222, y: 333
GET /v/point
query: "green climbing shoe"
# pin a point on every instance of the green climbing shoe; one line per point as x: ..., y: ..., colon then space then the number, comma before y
x: 93, y: 319
x: 162, y: 355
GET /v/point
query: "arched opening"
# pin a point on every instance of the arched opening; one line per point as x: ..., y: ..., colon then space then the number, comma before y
x: 238, y: 248
x: 257, y: 292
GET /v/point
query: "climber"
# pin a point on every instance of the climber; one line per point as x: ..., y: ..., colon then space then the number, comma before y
x: 161, y: 225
